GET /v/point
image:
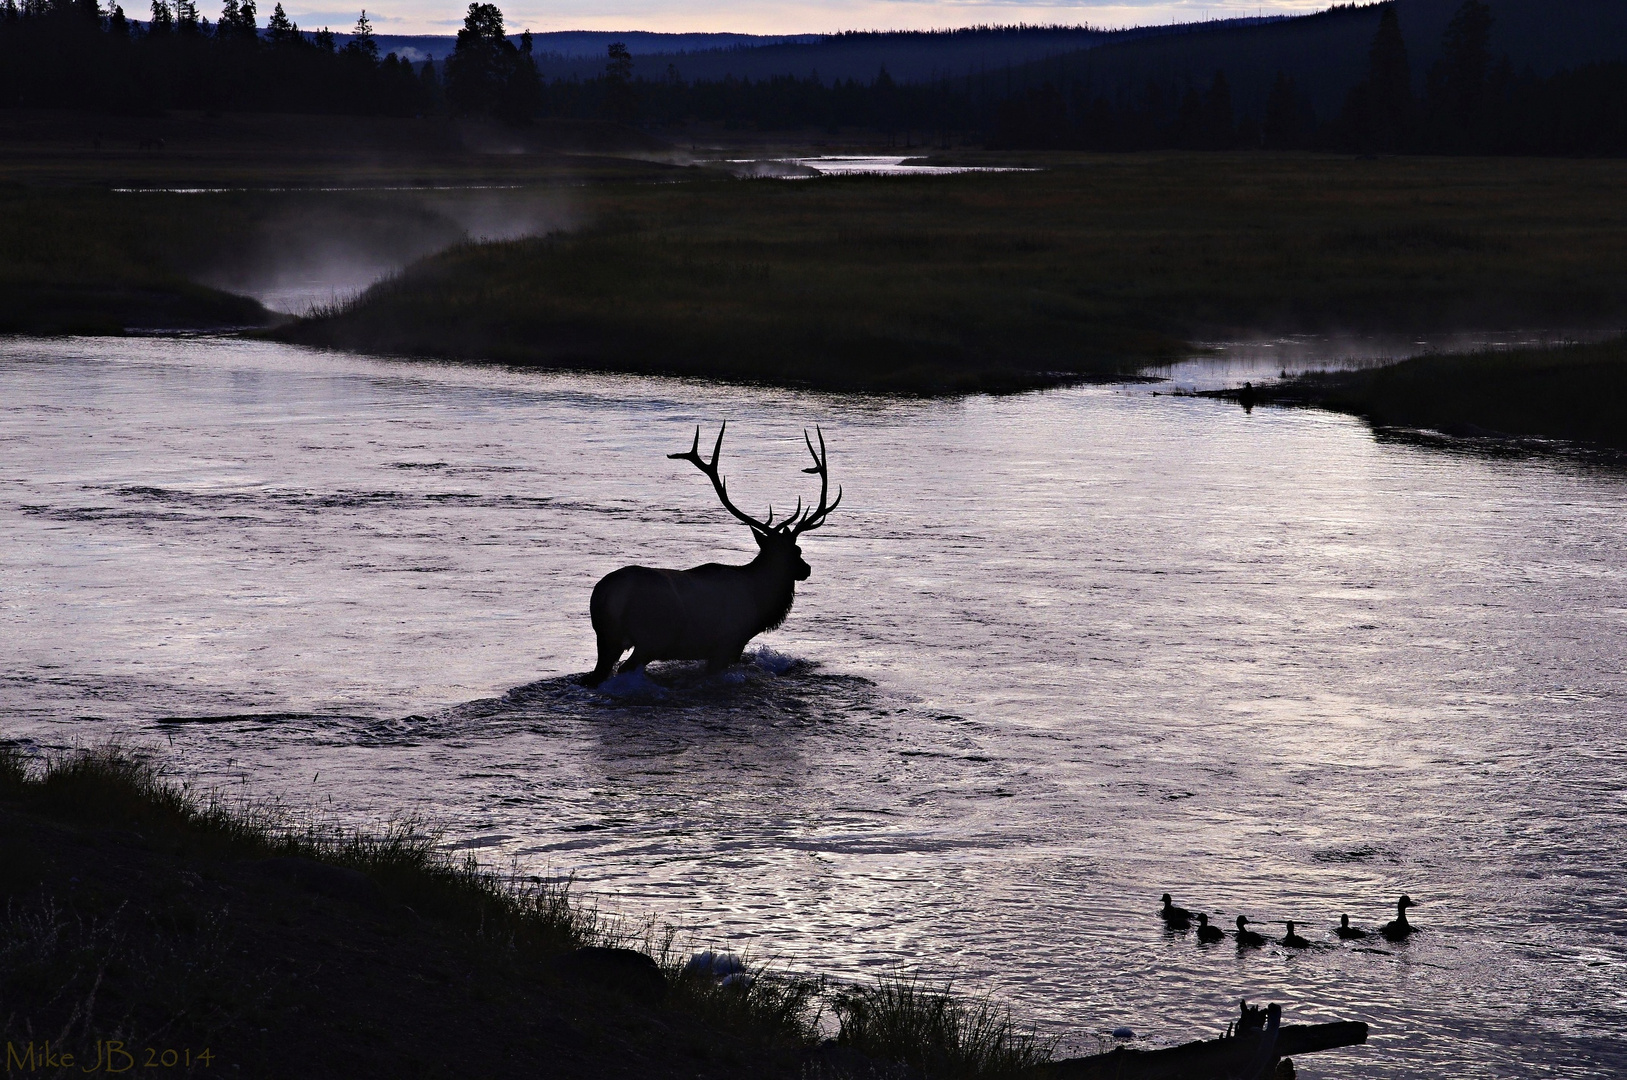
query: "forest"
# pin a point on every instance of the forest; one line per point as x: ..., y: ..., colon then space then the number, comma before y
x: 74, y: 54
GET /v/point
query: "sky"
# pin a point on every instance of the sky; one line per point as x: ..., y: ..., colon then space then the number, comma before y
x: 781, y: 17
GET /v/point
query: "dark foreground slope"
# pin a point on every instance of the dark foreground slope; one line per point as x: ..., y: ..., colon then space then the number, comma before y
x: 1572, y: 392
x: 151, y: 930
x: 133, y: 914
x: 995, y: 281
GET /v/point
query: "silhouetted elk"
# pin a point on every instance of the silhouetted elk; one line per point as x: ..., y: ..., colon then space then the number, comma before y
x: 709, y: 612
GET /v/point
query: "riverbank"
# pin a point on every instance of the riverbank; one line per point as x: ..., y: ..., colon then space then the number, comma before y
x: 1092, y: 266
x: 1576, y: 393
x: 202, y: 936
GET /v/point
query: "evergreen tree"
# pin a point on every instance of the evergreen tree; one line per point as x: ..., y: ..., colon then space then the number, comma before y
x: 280, y: 28
x: 163, y: 18
x: 1458, y: 80
x: 1288, y: 119
x: 619, y: 103
x: 1219, y: 123
x: 361, y: 39
x: 475, y: 70
x: 1389, y: 85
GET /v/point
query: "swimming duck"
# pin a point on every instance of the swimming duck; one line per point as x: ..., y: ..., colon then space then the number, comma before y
x: 1348, y: 932
x: 1207, y: 933
x: 1176, y: 918
x: 1246, y: 937
x: 1292, y: 940
x: 1398, y: 928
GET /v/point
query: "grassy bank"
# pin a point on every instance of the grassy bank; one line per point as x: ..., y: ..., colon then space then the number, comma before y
x: 91, y: 240
x: 135, y: 911
x: 1007, y: 280
x: 1571, y: 392
x: 97, y: 263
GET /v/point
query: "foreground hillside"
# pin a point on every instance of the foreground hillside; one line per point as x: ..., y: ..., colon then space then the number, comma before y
x: 147, y: 929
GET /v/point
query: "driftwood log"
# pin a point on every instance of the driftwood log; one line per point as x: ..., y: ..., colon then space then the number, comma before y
x: 1249, y: 1052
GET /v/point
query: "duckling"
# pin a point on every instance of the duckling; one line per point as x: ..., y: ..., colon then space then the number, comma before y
x: 1348, y: 932
x: 1176, y: 918
x: 1207, y: 933
x: 1247, y: 938
x: 1399, y: 928
x: 1292, y: 940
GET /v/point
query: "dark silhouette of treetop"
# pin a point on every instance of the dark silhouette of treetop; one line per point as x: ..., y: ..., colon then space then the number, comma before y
x: 361, y: 38
x: 486, y: 73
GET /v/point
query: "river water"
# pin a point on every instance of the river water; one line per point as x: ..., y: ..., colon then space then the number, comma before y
x: 1060, y: 652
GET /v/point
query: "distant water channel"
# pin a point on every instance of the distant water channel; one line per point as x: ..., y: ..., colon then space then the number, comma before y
x: 1060, y: 653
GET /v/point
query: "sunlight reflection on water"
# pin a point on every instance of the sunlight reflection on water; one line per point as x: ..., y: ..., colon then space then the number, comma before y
x: 1060, y: 653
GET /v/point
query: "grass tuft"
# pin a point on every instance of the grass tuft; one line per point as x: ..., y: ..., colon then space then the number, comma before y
x: 931, y: 1030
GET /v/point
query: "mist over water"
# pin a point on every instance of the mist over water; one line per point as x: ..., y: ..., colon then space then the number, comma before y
x: 1060, y: 653
x: 322, y: 248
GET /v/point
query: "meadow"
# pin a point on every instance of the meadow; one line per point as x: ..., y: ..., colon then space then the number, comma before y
x: 1093, y: 265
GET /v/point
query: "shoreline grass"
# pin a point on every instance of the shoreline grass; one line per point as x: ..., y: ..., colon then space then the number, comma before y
x: 1097, y: 265
x: 1575, y: 393
x: 140, y: 911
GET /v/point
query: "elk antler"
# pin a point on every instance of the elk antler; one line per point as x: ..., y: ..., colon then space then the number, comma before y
x: 710, y: 469
x: 800, y: 522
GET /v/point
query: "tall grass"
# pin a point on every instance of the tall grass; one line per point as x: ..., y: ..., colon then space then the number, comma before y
x: 61, y: 959
x: 933, y: 1030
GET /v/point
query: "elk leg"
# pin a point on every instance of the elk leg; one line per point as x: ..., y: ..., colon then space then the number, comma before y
x: 635, y: 662
x: 610, y: 651
x: 724, y: 662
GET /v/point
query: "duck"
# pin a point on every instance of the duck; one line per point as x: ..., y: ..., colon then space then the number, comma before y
x: 1348, y: 932
x: 1207, y: 933
x: 1399, y: 928
x: 1176, y: 918
x: 1292, y: 940
x: 1247, y: 938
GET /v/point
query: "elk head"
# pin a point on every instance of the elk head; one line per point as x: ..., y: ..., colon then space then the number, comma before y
x: 777, y: 542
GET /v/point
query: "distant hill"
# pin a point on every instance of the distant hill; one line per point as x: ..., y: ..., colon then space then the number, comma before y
x: 908, y: 56
x: 568, y: 45
x: 1326, y: 53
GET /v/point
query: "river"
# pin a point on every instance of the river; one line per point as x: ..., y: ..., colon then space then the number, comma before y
x: 1061, y: 652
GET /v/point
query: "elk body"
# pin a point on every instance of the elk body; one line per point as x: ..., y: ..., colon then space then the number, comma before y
x: 708, y: 612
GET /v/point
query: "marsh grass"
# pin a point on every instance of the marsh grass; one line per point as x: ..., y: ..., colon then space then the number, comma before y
x: 113, y: 785
x: 935, y: 1031
x: 1003, y: 281
x: 151, y: 962
x: 1574, y: 392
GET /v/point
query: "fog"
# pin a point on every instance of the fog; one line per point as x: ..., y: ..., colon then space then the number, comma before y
x: 313, y: 249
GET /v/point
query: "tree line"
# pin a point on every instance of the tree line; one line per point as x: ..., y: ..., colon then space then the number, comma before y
x: 1469, y: 103
x: 75, y: 54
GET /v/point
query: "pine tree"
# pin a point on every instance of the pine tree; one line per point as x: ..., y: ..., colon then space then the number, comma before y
x: 163, y: 18
x: 281, y: 29
x: 1458, y: 80
x: 1286, y: 116
x: 361, y: 39
x: 1389, y: 85
x: 476, y: 70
